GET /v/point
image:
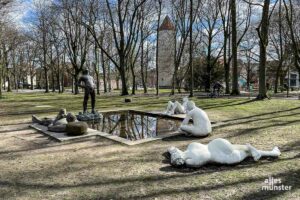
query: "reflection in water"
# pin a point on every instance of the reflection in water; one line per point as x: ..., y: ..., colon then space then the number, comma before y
x: 135, y: 126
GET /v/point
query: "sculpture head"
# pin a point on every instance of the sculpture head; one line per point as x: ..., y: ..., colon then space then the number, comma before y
x: 190, y: 105
x: 62, y: 111
x: 85, y: 72
x: 176, y: 156
x: 61, y: 114
x: 71, y: 117
x: 185, y: 99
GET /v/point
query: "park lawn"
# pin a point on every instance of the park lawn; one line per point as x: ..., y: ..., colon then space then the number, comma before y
x: 34, y: 167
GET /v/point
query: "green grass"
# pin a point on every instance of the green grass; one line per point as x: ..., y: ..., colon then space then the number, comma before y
x: 34, y: 167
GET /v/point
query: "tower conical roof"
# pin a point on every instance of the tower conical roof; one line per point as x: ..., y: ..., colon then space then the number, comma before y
x: 167, y: 24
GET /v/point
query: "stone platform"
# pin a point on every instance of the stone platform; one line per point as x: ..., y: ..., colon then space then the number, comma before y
x: 62, y: 137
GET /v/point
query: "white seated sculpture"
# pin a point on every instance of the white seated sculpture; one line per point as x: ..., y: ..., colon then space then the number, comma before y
x: 217, y: 151
x: 176, y: 107
x: 201, y: 124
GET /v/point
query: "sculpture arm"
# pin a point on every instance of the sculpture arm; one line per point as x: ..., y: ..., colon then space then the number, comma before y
x: 79, y: 83
x: 187, y: 118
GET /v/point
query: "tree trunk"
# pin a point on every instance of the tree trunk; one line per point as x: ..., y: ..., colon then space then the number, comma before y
x: 133, y: 80
x: 263, y: 35
x: 53, y: 80
x: 104, y: 72
x: 227, y: 70
x: 142, y: 62
x: 63, y: 82
x: 118, y: 83
x: 96, y: 69
x: 123, y: 76
x: 235, y: 84
x: 248, y: 75
x: 31, y: 82
x: 157, y: 38
x: 108, y: 77
x: 289, y: 12
x: 98, y: 82
x: 208, y: 66
x: 279, y: 67
x: 8, y: 84
x: 76, y: 88
x: 16, y: 80
x: 58, y: 82
x: 191, y: 51
x: 73, y: 84
x: 278, y: 70
x: 124, y: 84
x: 0, y: 88
x: 46, y: 80
x: 1, y: 78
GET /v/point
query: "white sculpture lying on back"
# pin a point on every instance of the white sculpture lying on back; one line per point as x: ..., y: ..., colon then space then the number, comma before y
x: 217, y: 151
x: 201, y: 123
x: 176, y: 107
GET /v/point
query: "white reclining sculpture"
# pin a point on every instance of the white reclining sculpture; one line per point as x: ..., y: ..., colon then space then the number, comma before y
x: 201, y: 123
x: 176, y: 107
x: 217, y: 151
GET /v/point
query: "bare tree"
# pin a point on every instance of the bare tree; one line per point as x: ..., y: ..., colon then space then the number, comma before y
x: 211, y: 29
x: 157, y: 39
x: 291, y: 20
x: 263, y: 31
x: 235, y: 85
x: 76, y: 35
x: 181, y: 15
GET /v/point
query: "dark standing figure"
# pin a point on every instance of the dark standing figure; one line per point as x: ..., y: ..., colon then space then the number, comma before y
x: 89, y: 89
x: 217, y: 88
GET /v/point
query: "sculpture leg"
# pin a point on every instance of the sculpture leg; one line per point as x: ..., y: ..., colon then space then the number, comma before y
x: 93, y: 98
x: 224, y: 152
x: 192, y: 130
x: 44, y: 121
x: 274, y: 153
x: 57, y: 128
x: 85, y: 100
x: 257, y: 154
x: 169, y: 110
x: 178, y: 109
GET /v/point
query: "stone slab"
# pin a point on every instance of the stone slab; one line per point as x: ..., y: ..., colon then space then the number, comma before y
x: 61, y: 137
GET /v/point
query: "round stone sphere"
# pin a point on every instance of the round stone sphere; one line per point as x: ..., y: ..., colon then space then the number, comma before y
x: 76, y: 128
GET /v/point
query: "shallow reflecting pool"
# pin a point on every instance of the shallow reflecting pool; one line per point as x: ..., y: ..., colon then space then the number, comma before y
x: 134, y: 125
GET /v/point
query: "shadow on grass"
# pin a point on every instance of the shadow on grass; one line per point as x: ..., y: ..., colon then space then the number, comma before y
x: 215, y: 167
x: 16, y: 129
x: 95, y: 182
x: 252, y: 130
x: 236, y: 122
x: 288, y: 178
x: 182, y: 138
x: 221, y: 105
x: 294, y: 145
x: 36, y: 147
x: 263, y: 114
x: 29, y: 112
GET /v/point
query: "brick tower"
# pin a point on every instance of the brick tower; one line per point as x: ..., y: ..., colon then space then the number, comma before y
x: 166, y: 51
